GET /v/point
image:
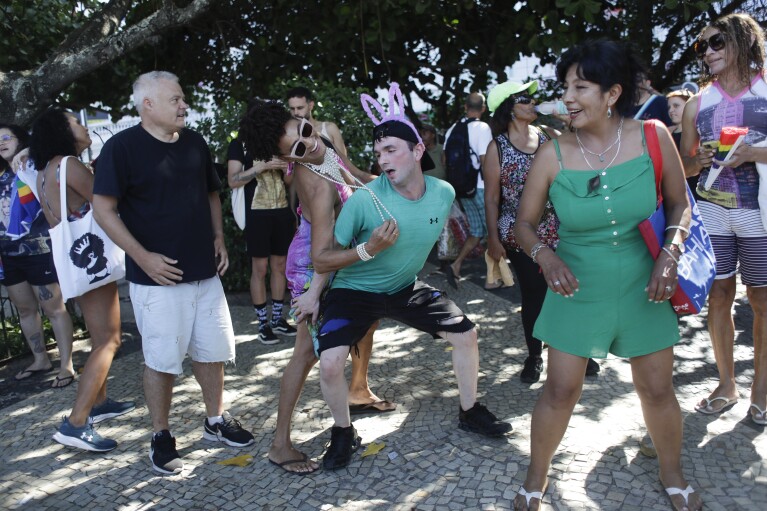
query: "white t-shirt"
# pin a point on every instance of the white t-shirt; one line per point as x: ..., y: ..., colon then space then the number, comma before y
x: 480, y: 136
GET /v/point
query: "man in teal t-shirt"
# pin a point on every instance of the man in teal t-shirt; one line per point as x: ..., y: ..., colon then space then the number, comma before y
x: 391, y: 228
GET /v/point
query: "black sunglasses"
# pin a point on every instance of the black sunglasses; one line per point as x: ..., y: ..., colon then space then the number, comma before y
x: 523, y: 99
x: 716, y: 42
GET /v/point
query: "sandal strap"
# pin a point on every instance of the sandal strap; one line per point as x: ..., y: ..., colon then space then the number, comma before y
x: 678, y: 491
x: 528, y: 495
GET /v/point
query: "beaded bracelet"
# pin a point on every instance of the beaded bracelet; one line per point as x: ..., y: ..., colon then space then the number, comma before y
x: 537, y: 248
x: 363, y: 253
x: 670, y: 254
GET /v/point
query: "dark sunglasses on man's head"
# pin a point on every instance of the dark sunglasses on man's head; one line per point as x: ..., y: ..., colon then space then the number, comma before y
x: 716, y: 42
x: 523, y: 99
x: 305, y: 130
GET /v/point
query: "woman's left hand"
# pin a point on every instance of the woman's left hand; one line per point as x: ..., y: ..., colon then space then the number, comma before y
x: 663, y: 280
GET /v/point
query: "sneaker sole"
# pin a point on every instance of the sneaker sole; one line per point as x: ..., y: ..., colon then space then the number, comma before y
x: 106, y: 416
x: 267, y: 341
x: 213, y: 437
x: 160, y: 469
x: 289, y: 334
x: 76, y: 442
x: 471, y: 429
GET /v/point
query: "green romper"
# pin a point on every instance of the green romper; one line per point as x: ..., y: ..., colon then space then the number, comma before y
x: 601, y: 244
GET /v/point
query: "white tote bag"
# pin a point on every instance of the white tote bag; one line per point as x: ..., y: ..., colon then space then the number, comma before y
x: 238, y: 206
x: 84, y: 256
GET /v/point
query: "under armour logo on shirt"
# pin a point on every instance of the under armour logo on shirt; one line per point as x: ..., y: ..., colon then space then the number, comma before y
x: 433, y: 220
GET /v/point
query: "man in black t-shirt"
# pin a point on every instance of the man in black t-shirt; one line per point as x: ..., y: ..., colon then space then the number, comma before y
x: 156, y: 196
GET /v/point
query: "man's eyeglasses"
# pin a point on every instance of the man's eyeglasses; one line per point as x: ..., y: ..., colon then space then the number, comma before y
x: 305, y: 130
x: 523, y: 100
x: 716, y: 42
x: 6, y: 138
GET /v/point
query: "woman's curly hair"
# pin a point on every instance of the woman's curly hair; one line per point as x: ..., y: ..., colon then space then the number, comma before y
x: 21, y: 135
x: 262, y: 127
x: 738, y: 30
x: 504, y: 114
x: 51, y: 136
x: 606, y: 63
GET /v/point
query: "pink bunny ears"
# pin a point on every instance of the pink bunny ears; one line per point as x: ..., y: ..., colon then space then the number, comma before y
x: 396, y: 114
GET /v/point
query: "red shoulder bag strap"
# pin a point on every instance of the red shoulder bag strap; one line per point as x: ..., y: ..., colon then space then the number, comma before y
x: 653, y: 148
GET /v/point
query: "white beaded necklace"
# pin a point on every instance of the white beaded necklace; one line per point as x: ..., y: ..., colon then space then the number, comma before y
x: 601, y: 155
x: 330, y: 170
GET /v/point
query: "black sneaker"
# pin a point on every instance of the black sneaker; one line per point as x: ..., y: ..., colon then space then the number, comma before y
x: 230, y: 432
x: 592, y: 367
x: 266, y: 336
x: 479, y: 419
x: 532, y: 371
x: 344, y: 442
x: 85, y: 438
x: 163, y: 453
x: 282, y: 327
x: 110, y: 409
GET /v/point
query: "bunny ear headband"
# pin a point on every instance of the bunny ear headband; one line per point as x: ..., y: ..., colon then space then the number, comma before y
x: 394, y: 123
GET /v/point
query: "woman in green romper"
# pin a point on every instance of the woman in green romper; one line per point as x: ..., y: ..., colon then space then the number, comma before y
x: 606, y: 294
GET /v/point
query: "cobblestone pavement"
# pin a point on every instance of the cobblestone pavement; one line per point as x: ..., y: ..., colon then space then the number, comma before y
x: 427, y: 463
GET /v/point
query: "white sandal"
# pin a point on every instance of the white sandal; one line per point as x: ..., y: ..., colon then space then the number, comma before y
x: 529, y: 495
x: 760, y: 417
x: 678, y: 491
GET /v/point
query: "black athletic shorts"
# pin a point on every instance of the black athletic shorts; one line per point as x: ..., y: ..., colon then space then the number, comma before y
x: 38, y: 270
x: 269, y: 232
x: 348, y: 314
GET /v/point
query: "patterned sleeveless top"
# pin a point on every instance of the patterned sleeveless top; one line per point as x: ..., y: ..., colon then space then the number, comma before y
x: 515, y: 165
x: 735, y: 187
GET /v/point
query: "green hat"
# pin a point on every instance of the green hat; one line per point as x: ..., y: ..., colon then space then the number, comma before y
x: 500, y: 92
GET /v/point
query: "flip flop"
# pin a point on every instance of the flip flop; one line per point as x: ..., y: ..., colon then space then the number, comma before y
x: 284, y: 464
x: 760, y: 417
x: 30, y: 373
x: 60, y: 383
x: 708, y: 410
x: 382, y: 406
x: 678, y: 491
x: 450, y: 274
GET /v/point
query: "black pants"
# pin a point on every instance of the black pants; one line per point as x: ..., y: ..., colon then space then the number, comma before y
x: 533, y: 288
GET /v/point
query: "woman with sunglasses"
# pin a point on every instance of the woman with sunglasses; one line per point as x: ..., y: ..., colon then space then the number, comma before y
x: 56, y: 134
x: 606, y: 294
x: 30, y: 276
x: 267, y: 131
x: 734, y: 93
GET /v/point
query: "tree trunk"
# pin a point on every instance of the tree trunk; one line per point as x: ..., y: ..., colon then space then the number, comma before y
x: 23, y: 94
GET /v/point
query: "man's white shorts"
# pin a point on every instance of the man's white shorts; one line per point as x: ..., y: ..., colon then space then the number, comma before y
x: 186, y: 318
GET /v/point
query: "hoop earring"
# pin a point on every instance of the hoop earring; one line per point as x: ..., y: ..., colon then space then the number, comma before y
x: 609, y: 112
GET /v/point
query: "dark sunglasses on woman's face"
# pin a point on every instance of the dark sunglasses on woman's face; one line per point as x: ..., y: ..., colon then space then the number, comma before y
x: 716, y: 42
x: 305, y: 130
x: 524, y: 100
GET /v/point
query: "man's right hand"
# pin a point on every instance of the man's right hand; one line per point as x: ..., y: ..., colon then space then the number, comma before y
x: 383, y: 237
x: 160, y: 269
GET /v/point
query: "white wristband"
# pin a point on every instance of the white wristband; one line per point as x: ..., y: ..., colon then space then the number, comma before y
x: 363, y: 253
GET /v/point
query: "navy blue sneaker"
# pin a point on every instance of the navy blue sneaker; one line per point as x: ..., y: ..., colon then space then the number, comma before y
x: 85, y: 438
x: 110, y: 409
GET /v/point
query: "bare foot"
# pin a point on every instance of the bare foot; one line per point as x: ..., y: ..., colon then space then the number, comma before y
x: 292, y: 460
x: 717, y: 401
x: 64, y: 379
x: 32, y: 370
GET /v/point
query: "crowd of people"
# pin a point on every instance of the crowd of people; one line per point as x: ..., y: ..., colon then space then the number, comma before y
x: 561, y: 205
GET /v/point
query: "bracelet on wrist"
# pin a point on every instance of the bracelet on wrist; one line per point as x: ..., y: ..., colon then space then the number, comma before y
x: 670, y: 254
x: 362, y: 253
x: 537, y: 248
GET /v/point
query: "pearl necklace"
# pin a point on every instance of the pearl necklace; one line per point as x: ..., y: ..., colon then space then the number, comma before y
x: 330, y: 170
x: 601, y: 155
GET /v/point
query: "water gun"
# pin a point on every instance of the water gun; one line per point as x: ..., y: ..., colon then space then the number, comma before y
x: 729, y: 140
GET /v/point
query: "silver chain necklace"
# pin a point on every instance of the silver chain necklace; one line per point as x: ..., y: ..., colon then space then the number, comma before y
x: 601, y: 155
x: 595, y: 181
x: 330, y: 170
